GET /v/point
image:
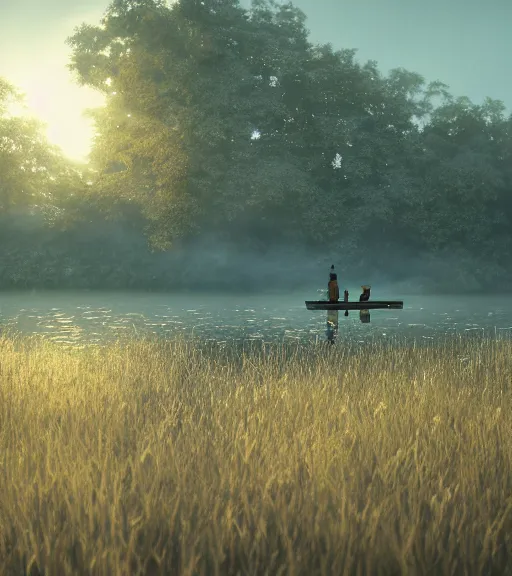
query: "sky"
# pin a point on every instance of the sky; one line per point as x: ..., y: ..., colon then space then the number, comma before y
x: 464, y: 43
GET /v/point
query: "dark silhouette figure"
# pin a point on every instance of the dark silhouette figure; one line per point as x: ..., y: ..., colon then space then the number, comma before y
x: 332, y: 286
x: 365, y: 296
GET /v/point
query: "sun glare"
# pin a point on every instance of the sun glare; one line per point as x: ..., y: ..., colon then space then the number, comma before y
x: 60, y: 105
x: 52, y: 96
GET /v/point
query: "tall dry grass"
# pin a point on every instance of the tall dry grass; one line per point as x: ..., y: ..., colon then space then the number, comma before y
x: 186, y: 458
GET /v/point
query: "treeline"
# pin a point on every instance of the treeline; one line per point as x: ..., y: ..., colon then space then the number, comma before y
x: 225, y: 126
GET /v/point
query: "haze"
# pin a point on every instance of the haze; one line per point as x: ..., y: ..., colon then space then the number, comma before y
x: 464, y: 43
x: 181, y: 390
x: 255, y: 160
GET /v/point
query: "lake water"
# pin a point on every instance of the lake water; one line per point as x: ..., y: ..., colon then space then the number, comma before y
x: 77, y: 318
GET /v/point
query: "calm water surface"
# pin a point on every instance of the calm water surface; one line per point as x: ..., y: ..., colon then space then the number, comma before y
x: 83, y: 318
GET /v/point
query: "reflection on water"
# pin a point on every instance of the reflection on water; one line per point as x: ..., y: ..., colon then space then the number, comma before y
x: 332, y: 325
x: 80, y: 318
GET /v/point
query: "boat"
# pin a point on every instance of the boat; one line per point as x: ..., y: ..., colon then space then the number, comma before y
x: 342, y: 305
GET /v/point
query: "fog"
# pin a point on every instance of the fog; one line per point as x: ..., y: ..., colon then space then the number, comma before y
x: 418, y: 203
x: 114, y: 256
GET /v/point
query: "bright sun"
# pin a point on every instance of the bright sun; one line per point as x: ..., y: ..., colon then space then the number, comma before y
x: 60, y: 105
x: 52, y: 97
x: 37, y: 66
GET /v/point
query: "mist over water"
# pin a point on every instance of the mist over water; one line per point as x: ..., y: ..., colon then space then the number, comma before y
x: 74, y: 318
x: 116, y: 256
x: 215, y: 264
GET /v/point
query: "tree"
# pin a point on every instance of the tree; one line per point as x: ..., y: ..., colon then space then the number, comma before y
x: 28, y: 164
x: 189, y: 89
x: 227, y: 121
x: 462, y: 170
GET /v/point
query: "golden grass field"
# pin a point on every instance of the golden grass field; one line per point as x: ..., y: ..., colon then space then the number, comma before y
x: 183, y: 458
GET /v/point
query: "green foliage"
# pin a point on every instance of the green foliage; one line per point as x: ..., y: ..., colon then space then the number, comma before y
x: 34, y: 174
x: 227, y: 122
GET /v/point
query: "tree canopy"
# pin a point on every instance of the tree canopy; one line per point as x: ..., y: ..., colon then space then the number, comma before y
x: 225, y: 122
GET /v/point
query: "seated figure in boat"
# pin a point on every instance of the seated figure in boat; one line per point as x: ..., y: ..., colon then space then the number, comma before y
x: 332, y: 286
x: 365, y: 296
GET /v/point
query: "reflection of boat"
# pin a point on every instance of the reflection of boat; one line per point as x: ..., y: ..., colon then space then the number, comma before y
x: 332, y: 325
x: 364, y: 316
x: 369, y: 305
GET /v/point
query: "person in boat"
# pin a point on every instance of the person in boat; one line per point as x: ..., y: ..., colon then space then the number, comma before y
x: 332, y: 286
x: 365, y: 296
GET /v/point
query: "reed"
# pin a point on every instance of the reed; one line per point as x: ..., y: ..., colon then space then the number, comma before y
x: 186, y: 458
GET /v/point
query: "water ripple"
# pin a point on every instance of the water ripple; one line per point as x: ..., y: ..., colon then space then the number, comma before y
x: 95, y: 317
